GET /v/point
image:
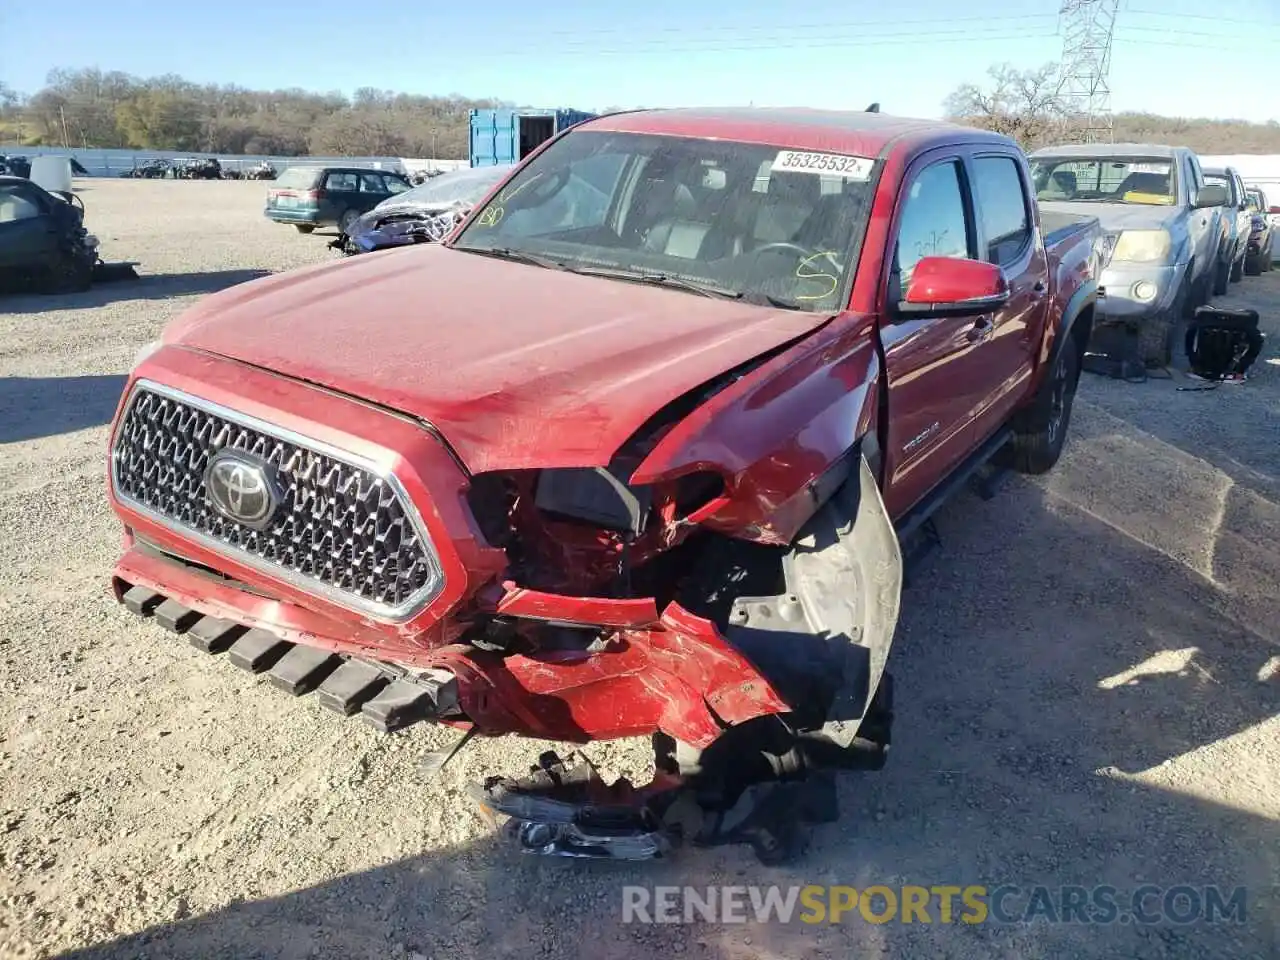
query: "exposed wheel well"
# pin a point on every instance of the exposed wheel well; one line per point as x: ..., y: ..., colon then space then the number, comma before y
x: 1082, y: 329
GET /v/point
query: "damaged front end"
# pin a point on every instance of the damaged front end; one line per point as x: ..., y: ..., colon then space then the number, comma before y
x: 566, y: 604
x: 398, y: 227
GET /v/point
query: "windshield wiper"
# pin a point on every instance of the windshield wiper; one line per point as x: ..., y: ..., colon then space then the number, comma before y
x: 519, y: 256
x: 660, y: 279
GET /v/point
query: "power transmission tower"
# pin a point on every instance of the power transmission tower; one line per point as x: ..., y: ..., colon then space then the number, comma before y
x: 1087, y: 27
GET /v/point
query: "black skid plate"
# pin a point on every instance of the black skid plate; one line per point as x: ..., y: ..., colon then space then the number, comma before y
x: 388, y: 697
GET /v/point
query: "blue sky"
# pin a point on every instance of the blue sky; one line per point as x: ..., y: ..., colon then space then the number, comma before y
x: 1176, y: 57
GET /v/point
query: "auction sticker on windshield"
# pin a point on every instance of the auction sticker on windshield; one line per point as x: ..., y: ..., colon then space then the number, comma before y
x: 830, y: 164
x: 1161, y: 168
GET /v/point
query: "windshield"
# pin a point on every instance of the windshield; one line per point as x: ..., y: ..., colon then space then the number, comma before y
x: 1253, y: 201
x: 1141, y: 180
x: 460, y: 186
x: 740, y: 220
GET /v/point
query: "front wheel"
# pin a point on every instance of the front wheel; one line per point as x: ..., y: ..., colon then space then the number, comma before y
x: 348, y: 218
x: 69, y: 273
x: 1221, y: 278
x: 1237, y: 271
x: 1040, y: 431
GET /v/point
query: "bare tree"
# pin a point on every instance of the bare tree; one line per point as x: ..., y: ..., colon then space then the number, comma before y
x: 1023, y: 104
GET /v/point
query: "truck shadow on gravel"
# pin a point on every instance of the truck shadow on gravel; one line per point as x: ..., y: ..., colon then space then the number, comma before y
x: 1060, y: 688
x: 34, y: 407
x: 159, y: 286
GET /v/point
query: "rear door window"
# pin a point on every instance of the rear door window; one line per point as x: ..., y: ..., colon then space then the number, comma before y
x: 341, y: 182
x: 372, y: 183
x: 1002, y: 207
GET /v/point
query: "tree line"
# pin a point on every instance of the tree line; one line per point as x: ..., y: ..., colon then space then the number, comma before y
x: 89, y: 108
x: 1027, y: 105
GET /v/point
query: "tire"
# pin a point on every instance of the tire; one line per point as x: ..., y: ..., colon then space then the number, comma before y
x: 1221, y: 277
x: 68, y: 274
x: 1040, y: 431
x: 1198, y: 296
x: 346, y: 220
x: 1158, y: 336
x: 1237, y: 271
x: 304, y: 227
x: 1253, y: 265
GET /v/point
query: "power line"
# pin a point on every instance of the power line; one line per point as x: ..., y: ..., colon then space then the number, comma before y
x: 1249, y: 21
x: 822, y: 25
x: 1212, y: 34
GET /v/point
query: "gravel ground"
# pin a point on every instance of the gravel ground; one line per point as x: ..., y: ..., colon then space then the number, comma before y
x: 1088, y: 687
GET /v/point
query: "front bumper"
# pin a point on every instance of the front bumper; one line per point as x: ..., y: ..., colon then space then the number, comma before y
x: 1133, y: 291
x: 646, y: 672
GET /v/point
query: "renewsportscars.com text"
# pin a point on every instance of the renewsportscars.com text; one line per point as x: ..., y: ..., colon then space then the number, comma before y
x: 942, y: 903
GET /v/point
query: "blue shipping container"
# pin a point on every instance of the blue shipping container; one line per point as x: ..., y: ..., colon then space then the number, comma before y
x: 508, y: 136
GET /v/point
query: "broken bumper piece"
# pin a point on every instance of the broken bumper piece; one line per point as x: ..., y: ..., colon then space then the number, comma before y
x: 568, y: 811
x: 387, y: 697
x: 557, y: 810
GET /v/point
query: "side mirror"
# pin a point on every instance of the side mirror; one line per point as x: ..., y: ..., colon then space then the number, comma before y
x: 1211, y: 195
x: 950, y: 287
x: 1274, y: 210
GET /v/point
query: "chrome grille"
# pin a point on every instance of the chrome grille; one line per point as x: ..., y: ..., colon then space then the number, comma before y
x: 342, y: 529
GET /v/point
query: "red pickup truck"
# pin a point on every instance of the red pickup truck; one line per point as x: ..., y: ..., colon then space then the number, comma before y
x: 631, y: 453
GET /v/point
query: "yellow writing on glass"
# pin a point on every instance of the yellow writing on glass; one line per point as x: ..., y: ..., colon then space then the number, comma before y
x: 806, y: 269
x: 492, y: 215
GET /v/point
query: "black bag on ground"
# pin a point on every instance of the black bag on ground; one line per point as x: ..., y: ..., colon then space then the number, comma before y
x: 1222, y: 342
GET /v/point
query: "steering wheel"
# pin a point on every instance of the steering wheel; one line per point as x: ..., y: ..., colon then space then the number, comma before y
x: 785, y: 245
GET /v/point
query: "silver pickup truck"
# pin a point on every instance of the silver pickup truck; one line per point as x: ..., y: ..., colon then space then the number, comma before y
x: 1165, y: 236
x: 1238, y: 223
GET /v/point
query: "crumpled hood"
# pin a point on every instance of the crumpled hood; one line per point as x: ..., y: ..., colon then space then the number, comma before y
x: 1115, y: 217
x: 517, y: 366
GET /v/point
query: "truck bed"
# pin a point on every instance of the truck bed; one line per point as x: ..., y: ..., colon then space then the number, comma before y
x: 1058, y: 226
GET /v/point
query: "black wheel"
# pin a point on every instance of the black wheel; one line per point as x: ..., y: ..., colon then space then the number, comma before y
x: 304, y: 227
x: 1040, y: 431
x: 346, y: 220
x: 1237, y: 271
x: 1253, y: 265
x: 69, y: 273
x: 1158, y: 336
x: 1221, y: 277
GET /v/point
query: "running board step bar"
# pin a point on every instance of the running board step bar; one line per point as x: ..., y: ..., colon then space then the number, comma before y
x: 388, y: 699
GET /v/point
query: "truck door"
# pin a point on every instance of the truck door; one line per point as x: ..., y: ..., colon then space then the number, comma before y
x: 1002, y: 201
x: 1203, y: 225
x: 935, y: 378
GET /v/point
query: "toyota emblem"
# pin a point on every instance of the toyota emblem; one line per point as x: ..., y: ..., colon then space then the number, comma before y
x: 241, y: 489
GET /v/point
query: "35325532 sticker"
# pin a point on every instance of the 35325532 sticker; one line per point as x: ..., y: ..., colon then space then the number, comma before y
x: 824, y: 164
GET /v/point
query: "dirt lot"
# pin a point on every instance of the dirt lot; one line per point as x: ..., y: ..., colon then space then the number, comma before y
x: 1088, y: 687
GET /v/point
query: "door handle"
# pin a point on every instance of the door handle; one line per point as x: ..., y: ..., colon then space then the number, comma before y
x: 981, y: 327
